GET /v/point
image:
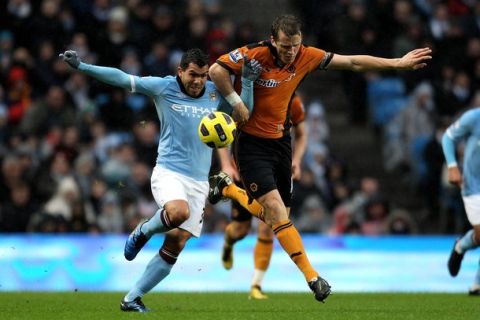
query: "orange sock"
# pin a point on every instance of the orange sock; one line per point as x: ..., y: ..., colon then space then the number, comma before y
x: 291, y: 242
x: 234, y: 192
x: 262, y: 253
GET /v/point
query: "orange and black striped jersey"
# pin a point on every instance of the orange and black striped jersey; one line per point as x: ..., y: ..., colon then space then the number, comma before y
x: 274, y: 89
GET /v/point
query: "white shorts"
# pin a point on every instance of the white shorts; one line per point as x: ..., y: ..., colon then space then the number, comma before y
x: 168, y: 185
x: 472, y: 207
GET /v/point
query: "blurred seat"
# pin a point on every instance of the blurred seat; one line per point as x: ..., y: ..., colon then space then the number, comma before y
x: 386, y: 97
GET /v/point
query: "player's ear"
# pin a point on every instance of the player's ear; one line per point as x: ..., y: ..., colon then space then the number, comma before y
x: 272, y: 40
x: 179, y: 71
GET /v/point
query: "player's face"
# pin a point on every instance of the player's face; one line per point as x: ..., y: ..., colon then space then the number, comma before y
x: 193, y: 78
x: 287, y: 47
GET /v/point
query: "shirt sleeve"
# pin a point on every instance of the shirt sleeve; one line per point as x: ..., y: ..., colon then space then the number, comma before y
x: 319, y: 59
x: 459, y: 130
x: 111, y: 76
x: 150, y: 86
x: 232, y: 61
x: 464, y: 125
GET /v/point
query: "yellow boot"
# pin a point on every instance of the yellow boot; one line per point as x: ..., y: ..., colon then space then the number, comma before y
x: 256, y: 293
x: 227, y: 256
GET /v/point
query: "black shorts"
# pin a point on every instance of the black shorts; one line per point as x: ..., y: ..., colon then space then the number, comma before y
x: 265, y: 165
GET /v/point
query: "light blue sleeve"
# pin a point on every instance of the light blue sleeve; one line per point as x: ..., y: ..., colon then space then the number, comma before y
x: 150, y: 86
x: 459, y: 130
x: 112, y: 76
x: 448, y: 146
x: 246, y: 96
x: 224, y: 106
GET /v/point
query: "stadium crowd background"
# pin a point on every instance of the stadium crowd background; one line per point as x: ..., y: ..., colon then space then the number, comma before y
x: 76, y: 155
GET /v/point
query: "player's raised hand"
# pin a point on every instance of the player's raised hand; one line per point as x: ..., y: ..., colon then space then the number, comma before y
x: 251, y: 68
x: 70, y: 57
x: 415, y: 59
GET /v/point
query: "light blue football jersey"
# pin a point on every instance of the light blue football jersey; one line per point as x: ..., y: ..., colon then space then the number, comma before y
x: 466, y: 129
x: 180, y: 149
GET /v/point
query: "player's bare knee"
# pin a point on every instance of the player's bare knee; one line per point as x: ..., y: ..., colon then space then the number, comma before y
x: 275, y: 211
x: 178, y: 215
x: 178, y: 211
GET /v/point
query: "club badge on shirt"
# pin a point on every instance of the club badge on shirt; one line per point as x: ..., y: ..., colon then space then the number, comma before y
x: 213, y: 96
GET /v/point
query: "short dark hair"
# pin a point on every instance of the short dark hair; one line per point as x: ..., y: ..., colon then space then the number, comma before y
x: 287, y: 23
x: 195, y: 56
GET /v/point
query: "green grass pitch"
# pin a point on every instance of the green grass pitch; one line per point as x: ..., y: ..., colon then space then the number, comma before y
x: 232, y: 306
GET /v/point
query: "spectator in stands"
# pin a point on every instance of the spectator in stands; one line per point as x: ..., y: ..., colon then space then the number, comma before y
x: 15, y: 214
x: 375, y: 216
x: 54, y: 110
x: 416, y: 123
x: 400, y: 222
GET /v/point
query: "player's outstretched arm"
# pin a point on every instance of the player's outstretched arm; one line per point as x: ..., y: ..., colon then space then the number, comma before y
x: 112, y: 76
x: 413, y: 60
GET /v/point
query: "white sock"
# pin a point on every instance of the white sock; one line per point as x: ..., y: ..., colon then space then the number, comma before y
x: 157, y: 224
x: 258, y: 277
x: 156, y: 270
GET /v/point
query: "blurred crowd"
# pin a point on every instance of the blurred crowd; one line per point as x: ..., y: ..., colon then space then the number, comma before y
x: 76, y: 155
x: 409, y: 111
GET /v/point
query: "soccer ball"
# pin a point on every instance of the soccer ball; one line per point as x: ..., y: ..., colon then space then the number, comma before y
x: 217, y: 130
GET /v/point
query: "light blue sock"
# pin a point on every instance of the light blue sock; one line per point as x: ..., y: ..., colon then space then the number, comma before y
x: 157, y: 224
x: 466, y: 243
x: 156, y: 270
x: 476, y: 282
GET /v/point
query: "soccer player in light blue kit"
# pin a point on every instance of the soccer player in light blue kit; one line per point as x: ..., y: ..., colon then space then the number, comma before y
x: 180, y: 178
x: 466, y: 129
